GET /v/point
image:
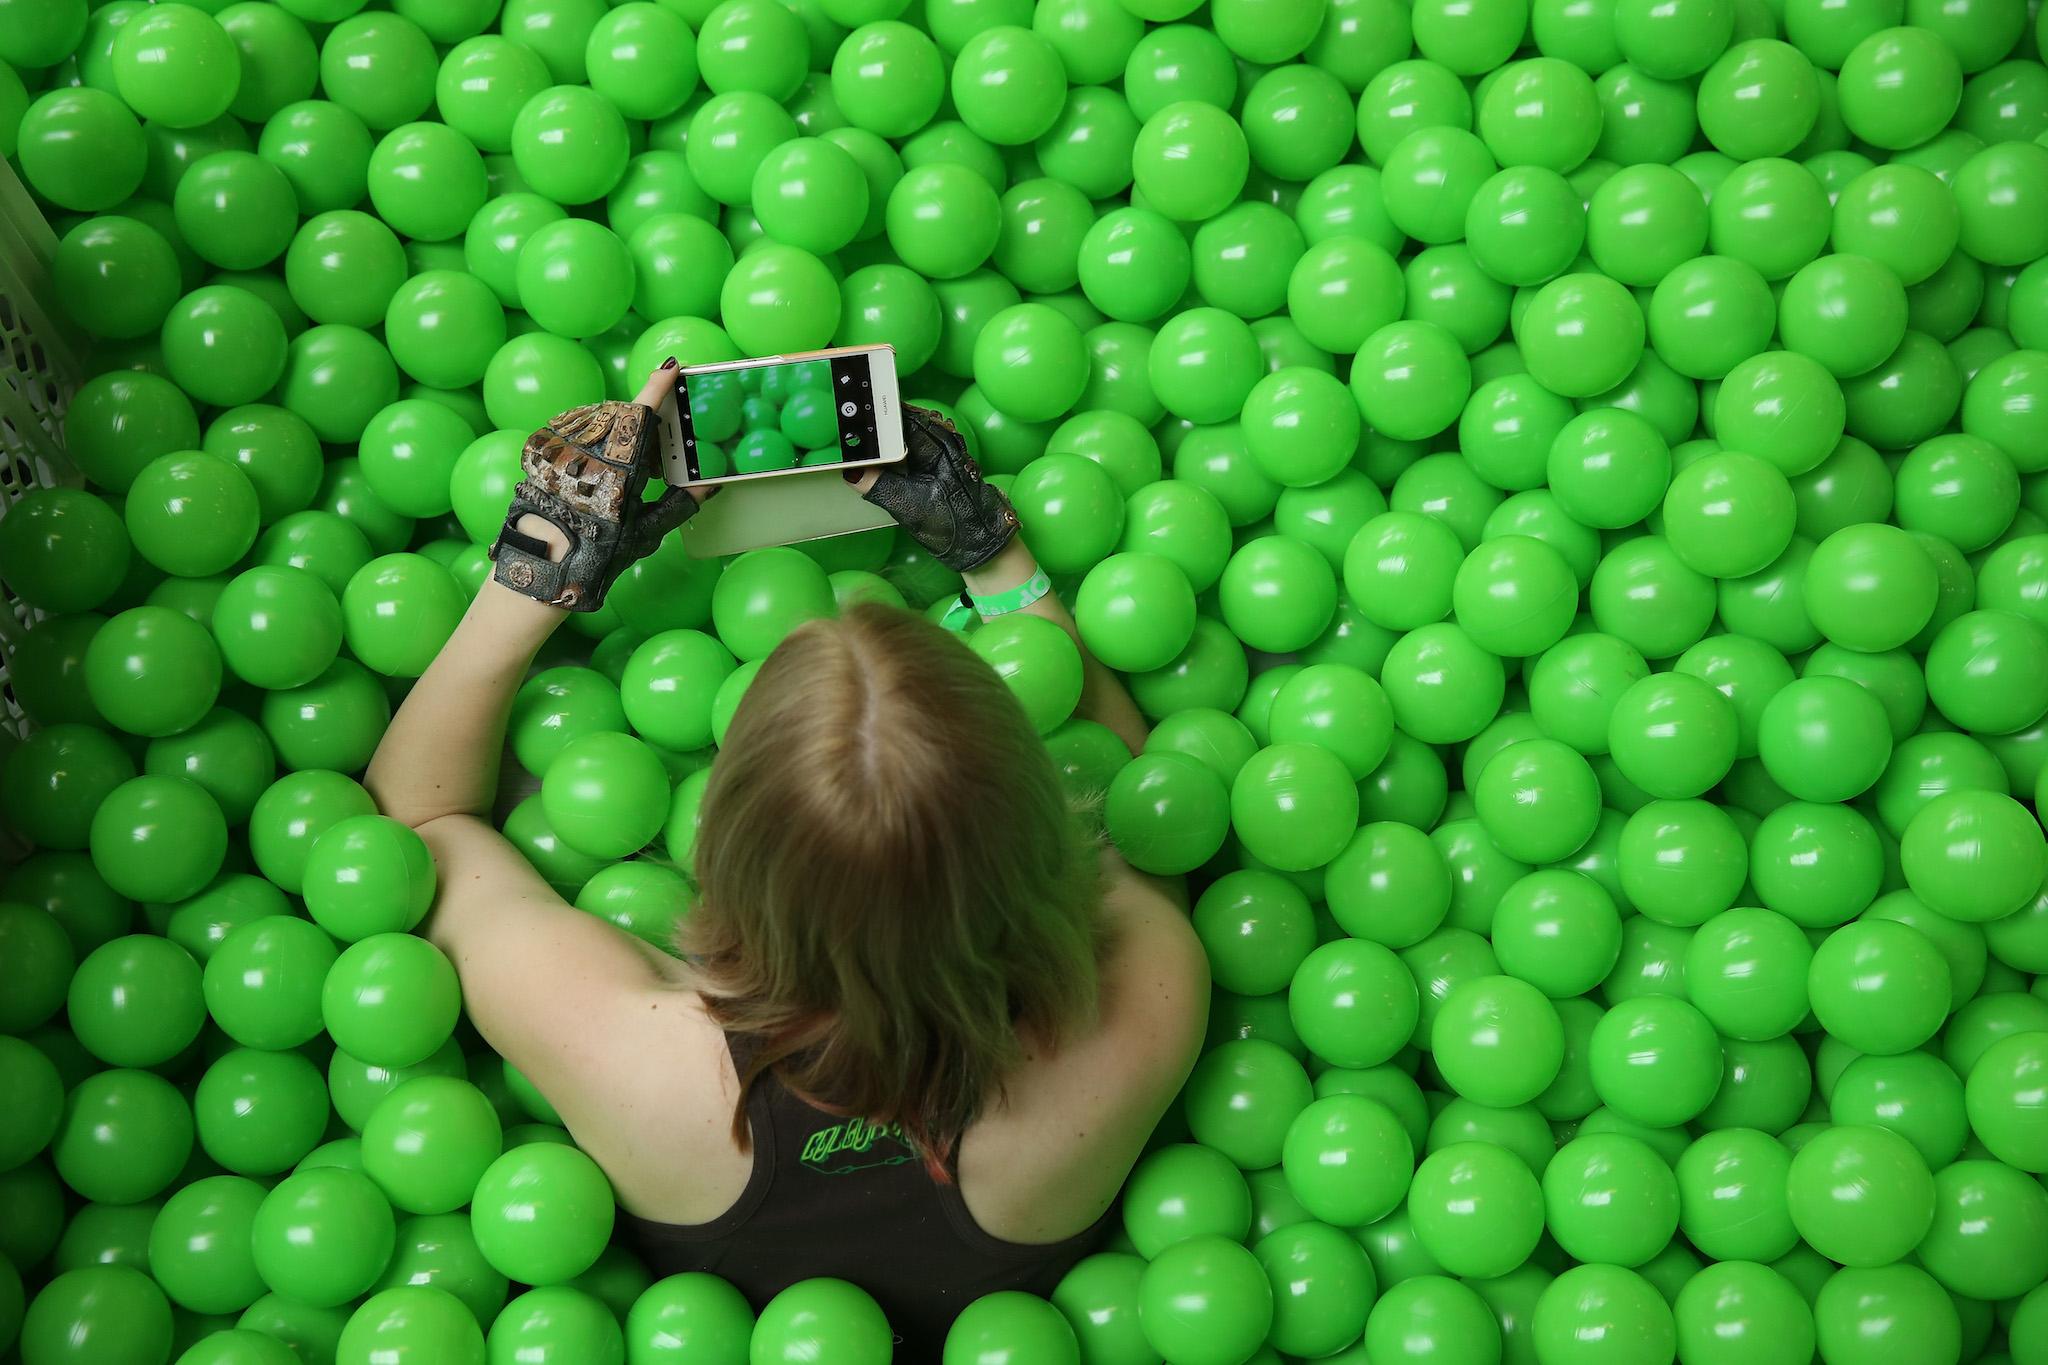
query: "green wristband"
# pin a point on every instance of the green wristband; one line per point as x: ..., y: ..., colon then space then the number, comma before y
x: 996, y: 603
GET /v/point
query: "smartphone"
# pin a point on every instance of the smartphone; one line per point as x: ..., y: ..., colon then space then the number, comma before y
x: 754, y: 419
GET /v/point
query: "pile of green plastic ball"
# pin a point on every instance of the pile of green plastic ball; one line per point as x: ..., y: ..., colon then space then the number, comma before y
x: 1568, y: 479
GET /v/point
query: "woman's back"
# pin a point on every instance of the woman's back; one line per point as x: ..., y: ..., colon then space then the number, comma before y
x: 840, y: 1197
x: 826, y: 1194
x: 899, y: 922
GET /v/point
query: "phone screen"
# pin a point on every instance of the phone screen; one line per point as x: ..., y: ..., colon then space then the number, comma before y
x: 791, y: 414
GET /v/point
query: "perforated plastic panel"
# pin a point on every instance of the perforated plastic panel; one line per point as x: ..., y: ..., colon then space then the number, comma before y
x: 40, y: 371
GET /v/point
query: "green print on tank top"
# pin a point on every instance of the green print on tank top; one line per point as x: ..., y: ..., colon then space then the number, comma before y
x: 856, y: 1145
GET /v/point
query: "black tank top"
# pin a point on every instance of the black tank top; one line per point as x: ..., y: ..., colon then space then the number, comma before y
x: 842, y: 1197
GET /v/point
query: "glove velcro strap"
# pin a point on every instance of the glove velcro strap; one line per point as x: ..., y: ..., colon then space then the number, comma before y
x: 579, y: 581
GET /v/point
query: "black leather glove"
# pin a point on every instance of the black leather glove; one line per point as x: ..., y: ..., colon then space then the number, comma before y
x: 585, y: 473
x: 937, y: 494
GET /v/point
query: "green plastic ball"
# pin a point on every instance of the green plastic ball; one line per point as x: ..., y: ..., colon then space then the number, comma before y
x: 1824, y: 739
x: 1497, y: 1041
x: 1539, y: 801
x: 542, y: 1214
x: 1729, y: 514
x: 1602, y: 1313
x: 114, y: 1313
x: 1008, y: 84
x: 2002, y: 1092
x: 1428, y: 1317
x: 742, y: 45
x: 135, y: 1001
x: 1860, y: 1196
x: 81, y: 149
x: 1241, y: 1099
x: 1205, y: 1301
x: 1353, y: 1003
x: 1294, y: 806
x: 1610, y: 1199
x: 1136, y: 611
x: 199, y: 1250
x: 1899, y: 87
x: 1190, y: 160
x: 689, y: 1316
x: 1673, y: 735
x: 1740, y: 1311
x: 1030, y: 362
x: 123, y: 1138
x: 368, y: 875
x: 1338, y: 707
x: 428, y: 1143
x: 1879, y: 986
x: 397, y: 612
x: 1183, y: 1190
x: 158, y: 838
x: 1558, y: 931
x: 418, y: 1319
x: 1580, y: 335
x: 258, y: 1113
x: 1010, y: 1324
x: 1655, y: 1059
x: 889, y: 78
x: 811, y: 193
x: 63, y: 550
x: 1760, y: 98
x: 192, y: 514
x: 1411, y: 380
x: 606, y: 794
x: 1967, y: 854
x: 1070, y: 511
x: 1985, y: 1241
x: 263, y: 981
x: 1430, y: 179
x: 1608, y: 468
x: 570, y: 144
x: 575, y: 278
x: 1167, y: 813
x: 322, y: 1236
x: 1746, y: 970
x: 1443, y: 686
x: 1038, y: 661
x: 1540, y: 112
x: 390, y: 999
x: 1526, y: 224
x: 1477, y: 1208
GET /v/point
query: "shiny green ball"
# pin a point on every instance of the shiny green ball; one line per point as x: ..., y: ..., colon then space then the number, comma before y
x: 542, y: 1214
x: 1655, y: 1059
x: 1167, y: 813
x: 1190, y: 160
x: 1294, y: 806
x: 135, y: 1001
x: 1581, y: 334
x: 1860, y: 1196
x: 322, y: 1236
x: 1205, y: 1301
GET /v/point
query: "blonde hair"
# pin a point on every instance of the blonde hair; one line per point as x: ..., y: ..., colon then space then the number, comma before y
x: 892, y: 885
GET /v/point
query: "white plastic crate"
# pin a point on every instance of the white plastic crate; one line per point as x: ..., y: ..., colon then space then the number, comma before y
x: 41, y: 371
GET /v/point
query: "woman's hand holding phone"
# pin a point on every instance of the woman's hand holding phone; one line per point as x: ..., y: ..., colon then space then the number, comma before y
x: 937, y: 494
x: 577, y: 519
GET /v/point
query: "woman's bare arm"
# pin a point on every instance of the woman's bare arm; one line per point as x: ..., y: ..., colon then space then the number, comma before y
x: 440, y: 756
x: 436, y: 769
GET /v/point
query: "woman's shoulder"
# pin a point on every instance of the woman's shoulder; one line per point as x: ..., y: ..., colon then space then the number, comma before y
x: 1051, y: 1153
x: 660, y: 1110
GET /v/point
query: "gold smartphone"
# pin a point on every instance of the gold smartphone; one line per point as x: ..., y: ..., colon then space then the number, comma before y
x: 778, y: 415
